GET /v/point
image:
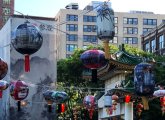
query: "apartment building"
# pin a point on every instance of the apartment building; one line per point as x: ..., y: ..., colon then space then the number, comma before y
x: 77, y: 28
x: 154, y: 40
x: 6, y: 9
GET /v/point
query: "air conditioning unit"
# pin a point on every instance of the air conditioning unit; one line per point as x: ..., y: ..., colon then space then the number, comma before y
x: 72, y: 6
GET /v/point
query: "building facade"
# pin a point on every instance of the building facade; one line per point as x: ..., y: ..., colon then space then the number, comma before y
x: 42, y: 75
x: 6, y: 10
x: 77, y: 28
x: 154, y: 40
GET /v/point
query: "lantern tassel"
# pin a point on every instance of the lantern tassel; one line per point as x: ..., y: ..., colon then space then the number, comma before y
x: 49, y: 108
x: 145, y: 103
x: 19, y: 105
x: 1, y: 93
x: 27, y: 63
x: 94, y: 75
x: 91, y: 113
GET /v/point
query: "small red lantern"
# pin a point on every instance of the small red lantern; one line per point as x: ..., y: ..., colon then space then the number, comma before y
x: 3, y: 69
x: 115, y: 97
x: 162, y: 101
x: 3, y: 86
x: 19, y: 90
x: 62, y: 107
x: 127, y: 98
x: 93, y: 59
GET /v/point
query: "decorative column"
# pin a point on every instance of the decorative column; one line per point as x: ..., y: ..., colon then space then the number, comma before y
x: 128, y: 111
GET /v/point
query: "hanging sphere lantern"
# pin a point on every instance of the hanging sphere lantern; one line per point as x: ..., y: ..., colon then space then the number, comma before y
x: 3, y: 69
x: 27, y: 40
x: 55, y: 96
x: 3, y: 86
x: 144, y: 80
x: 93, y: 59
x: 19, y: 90
x: 48, y: 97
x: 90, y: 104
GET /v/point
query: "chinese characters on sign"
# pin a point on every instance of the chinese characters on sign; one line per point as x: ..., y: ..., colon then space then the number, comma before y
x: 46, y: 27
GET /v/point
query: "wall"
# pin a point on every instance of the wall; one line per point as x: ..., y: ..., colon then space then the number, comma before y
x: 42, y: 75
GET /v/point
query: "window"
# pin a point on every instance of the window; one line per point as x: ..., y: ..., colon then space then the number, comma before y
x: 116, y: 20
x: 6, y: 1
x: 68, y: 55
x: 71, y: 17
x: 71, y: 27
x: 146, y: 30
x: 71, y: 47
x: 89, y: 18
x: 71, y: 37
x: 114, y: 40
x: 149, y: 22
x: 5, y: 18
x: 153, y: 45
x: 89, y: 38
x: 147, y: 47
x: 6, y: 11
x: 161, y: 42
x: 133, y: 21
x: 89, y: 28
x: 130, y: 30
x: 116, y: 30
x: 130, y: 40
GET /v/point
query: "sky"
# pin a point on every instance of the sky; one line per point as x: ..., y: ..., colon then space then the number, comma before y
x: 49, y: 8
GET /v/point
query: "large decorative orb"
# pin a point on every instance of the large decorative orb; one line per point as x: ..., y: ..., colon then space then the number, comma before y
x: 3, y: 85
x: 93, y: 59
x: 27, y: 39
x: 3, y: 69
x: 89, y: 102
x: 19, y: 90
x: 55, y: 96
x: 105, y: 22
x: 144, y: 79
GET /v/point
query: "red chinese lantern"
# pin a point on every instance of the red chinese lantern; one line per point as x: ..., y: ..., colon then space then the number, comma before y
x: 19, y: 90
x: 27, y: 40
x: 3, y: 86
x: 3, y: 69
x: 89, y: 102
x: 162, y: 101
x: 127, y: 98
x: 93, y: 59
x: 139, y: 108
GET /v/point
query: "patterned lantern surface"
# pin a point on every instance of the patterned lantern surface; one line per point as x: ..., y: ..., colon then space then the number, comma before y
x: 19, y: 90
x: 3, y: 69
x: 105, y: 22
x: 159, y: 93
x: 55, y: 96
x: 89, y: 102
x: 93, y: 59
x: 3, y: 85
x: 27, y: 38
x: 144, y: 79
